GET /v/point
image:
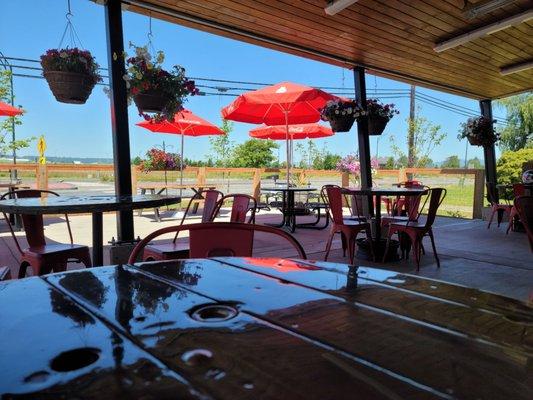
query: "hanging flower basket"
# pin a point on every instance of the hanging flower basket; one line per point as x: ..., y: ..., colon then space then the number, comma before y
x: 479, y: 131
x: 376, y: 124
x: 151, y: 101
x: 154, y: 89
x: 342, y: 124
x: 70, y: 87
x: 341, y: 114
x: 70, y: 73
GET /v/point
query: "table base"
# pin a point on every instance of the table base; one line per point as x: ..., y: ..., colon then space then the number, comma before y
x: 363, y: 250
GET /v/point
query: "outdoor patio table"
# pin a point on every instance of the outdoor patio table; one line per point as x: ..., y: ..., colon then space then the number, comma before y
x: 96, y: 205
x: 379, y: 243
x: 288, y: 208
x: 235, y: 328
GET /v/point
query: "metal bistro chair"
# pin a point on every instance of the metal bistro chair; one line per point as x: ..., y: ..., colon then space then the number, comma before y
x: 41, y: 257
x: 241, y: 205
x: 174, y: 249
x: 519, y: 190
x: 495, y: 206
x: 219, y: 239
x: 348, y: 228
x: 416, y: 230
x: 524, y: 208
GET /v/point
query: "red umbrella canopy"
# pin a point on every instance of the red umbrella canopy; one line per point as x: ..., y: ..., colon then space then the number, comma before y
x: 300, y: 131
x: 9, y: 111
x: 279, y: 104
x: 185, y: 123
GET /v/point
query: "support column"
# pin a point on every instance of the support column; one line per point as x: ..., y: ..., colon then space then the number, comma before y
x: 363, y: 139
x: 489, y: 152
x: 119, y: 114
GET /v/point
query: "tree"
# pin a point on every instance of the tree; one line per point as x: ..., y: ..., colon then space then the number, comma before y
x: 254, y: 153
x: 7, y: 126
x: 389, y: 164
x: 137, y: 160
x: 221, y: 146
x: 326, y: 161
x: 518, y: 134
x: 474, y: 163
x: 425, y: 138
x: 308, y: 153
x: 451, y: 162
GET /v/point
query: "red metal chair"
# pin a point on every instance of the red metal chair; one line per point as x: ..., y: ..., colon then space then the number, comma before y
x: 402, y: 204
x: 218, y: 239
x: 348, y: 228
x: 416, y: 230
x: 173, y: 250
x: 41, y: 257
x: 518, y: 190
x: 524, y: 208
x: 495, y: 206
x: 241, y: 204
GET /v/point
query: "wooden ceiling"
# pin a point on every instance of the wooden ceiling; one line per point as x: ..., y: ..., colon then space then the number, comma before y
x: 392, y: 38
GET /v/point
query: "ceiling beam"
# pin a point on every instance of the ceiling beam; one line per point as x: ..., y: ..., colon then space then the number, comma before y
x: 514, y: 68
x: 483, y: 31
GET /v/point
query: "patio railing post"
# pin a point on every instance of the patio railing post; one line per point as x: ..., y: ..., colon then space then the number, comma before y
x: 363, y: 138
x: 489, y: 152
x: 119, y: 114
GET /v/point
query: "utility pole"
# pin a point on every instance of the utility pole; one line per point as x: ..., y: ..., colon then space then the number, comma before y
x: 411, y: 133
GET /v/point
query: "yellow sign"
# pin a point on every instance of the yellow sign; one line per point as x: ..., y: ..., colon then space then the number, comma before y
x: 41, y: 147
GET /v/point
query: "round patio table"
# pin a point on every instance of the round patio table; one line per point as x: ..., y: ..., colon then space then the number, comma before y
x: 257, y: 328
x: 379, y: 243
x: 96, y: 205
x: 288, y: 208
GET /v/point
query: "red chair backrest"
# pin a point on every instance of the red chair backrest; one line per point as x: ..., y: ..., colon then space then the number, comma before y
x: 210, y: 197
x: 436, y: 197
x: 334, y: 198
x: 242, y: 203
x: 519, y: 189
x: 524, y: 206
x: 33, y: 224
x: 218, y: 239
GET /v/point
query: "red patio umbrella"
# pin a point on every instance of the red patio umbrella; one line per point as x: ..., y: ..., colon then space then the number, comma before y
x: 185, y: 124
x: 281, y: 104
x: 296, y: 132
x: 8, y: 110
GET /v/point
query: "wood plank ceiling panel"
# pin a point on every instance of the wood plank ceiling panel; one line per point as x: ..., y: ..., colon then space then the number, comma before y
x: 392, y: 38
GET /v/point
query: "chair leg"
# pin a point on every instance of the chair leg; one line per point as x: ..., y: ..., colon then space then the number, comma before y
x: 343, y: 240
x: 22, y: 270
x: 512, y: 214
x: 351, y: 247
x: 328, y: 245
x: 371, y: 245
x: 416, y: 251
x: 387, y: 245
x: 491, y: 217
x: 432, y: 238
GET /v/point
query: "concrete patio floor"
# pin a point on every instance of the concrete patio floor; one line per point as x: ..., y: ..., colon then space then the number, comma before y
x: 470, y: 254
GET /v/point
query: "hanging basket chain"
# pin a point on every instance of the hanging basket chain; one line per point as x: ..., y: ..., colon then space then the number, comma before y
x: 150, y: 35
x: 71, y: 30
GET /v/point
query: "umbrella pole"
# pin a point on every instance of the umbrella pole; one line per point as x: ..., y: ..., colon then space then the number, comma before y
x: 288, y: 149
x: 181, y: 167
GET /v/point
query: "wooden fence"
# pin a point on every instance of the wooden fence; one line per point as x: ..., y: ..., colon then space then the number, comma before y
x: 42, y: 173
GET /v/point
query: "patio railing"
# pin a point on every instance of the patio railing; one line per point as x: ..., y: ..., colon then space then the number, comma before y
x: 465, y: 186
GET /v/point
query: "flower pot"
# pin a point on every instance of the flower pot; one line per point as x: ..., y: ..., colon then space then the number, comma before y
x: 474, y: 140
x: 70, y: 87
x: 151, y: 101
x: 376, y: 125
x: 342, y: 123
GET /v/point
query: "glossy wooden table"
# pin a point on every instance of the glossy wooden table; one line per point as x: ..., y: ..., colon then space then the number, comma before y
x: 96, y: 205
x: 235, y: 328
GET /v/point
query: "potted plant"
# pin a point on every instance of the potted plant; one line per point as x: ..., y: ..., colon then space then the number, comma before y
x: 160, y: 160
x: 479, y: 131
x: 70, y: 73
x: 341, y: 114
x: 379, y: 115
x: 153, y: 89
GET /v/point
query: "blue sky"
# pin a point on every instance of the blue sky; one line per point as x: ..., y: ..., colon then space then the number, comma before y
x: 30, y: 27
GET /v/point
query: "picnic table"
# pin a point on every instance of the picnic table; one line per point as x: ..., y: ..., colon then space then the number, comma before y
x: 249, y: 328
x: 159, y: 188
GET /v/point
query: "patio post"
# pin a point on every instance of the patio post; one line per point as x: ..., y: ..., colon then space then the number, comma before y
x: 489, y: 152
x: 362, y: 136
x: 119, y: 114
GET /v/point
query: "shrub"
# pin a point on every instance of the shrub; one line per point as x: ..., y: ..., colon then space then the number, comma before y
x: 510, y: 165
